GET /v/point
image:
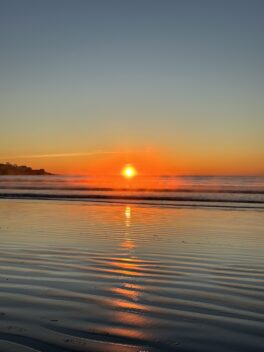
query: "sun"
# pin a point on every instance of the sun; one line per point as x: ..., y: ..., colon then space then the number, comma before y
x: 128, y: 171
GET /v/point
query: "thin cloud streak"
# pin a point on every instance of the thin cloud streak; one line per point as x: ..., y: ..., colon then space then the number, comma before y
x: 60, y: 155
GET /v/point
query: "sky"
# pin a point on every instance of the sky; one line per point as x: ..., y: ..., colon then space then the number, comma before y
x: 170, y: 86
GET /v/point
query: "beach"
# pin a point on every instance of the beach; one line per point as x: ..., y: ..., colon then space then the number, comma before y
x: 131, y: 176
x: 91, y: 276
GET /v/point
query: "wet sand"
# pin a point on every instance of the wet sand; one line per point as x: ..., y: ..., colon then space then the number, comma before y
x: 77, y: 276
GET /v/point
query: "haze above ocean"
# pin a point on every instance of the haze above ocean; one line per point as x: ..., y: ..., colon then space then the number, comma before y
x: 235, y: 191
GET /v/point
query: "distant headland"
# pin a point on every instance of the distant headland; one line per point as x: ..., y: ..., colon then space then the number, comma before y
x: 13, y: 169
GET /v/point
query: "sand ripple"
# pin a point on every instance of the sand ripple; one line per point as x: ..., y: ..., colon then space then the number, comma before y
x: 80, y: 277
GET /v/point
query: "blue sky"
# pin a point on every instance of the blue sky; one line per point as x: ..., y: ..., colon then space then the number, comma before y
x: 181, y: 76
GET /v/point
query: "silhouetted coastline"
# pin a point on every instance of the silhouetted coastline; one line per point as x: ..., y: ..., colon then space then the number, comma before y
x: 13, y: 169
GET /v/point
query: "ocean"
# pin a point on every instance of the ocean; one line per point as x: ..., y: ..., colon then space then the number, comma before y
x: 231, y: 191
x: 161, y: 264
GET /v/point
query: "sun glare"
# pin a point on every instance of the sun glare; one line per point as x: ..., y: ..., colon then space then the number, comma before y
x: 128, y: 171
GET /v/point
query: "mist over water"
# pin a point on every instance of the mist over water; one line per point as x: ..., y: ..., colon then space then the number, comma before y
x: 232, y: 190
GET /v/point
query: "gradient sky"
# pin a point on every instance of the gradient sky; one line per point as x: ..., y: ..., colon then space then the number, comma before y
x: 179, y: 81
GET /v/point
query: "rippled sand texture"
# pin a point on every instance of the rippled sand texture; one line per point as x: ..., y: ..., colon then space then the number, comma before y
x: 91, y: 277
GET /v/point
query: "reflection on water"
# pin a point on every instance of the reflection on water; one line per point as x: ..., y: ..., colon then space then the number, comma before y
x: 129, y: 263
x: 127, y: 304
x: 127, y: 242
x: 128, y: 278
x: 127, y: 215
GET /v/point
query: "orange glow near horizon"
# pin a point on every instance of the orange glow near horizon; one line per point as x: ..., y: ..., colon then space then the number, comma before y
x: 152, y: 161
x: 129, y: 171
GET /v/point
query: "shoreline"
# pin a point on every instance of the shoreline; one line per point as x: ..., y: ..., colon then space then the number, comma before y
x: 149, y: 201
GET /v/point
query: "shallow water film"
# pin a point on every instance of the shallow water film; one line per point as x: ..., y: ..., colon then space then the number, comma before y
x: 82, y: 276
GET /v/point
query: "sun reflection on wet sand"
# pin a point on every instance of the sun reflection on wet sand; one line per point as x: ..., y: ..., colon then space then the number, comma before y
x: 127, y: 301
x: 129, y: 293
x: 127, y: 215
x: 128, y: 243
x: 131, y: 277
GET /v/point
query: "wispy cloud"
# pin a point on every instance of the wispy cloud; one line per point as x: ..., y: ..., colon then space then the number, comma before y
x: 59, y: 155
